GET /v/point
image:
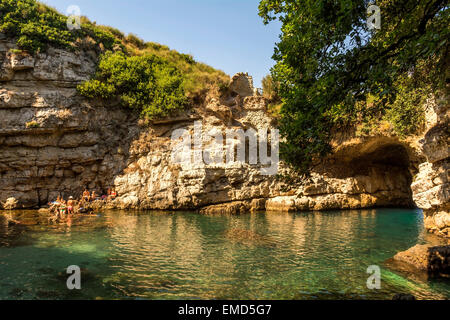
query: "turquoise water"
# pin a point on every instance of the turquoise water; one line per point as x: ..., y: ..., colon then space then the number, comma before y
x: 183, y: 255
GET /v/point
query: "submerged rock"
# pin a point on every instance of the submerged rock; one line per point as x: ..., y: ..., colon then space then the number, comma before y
x: 249, y: 237
x: 403, y: 296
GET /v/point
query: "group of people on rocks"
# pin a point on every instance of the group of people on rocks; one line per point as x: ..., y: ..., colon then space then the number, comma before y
x: 61, y: 207
x: 89, y: 197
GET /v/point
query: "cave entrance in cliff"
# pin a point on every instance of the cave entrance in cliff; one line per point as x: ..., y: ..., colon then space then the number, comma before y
x: 390, y: 167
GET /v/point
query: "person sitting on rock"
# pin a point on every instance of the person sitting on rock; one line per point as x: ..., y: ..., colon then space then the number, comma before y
x: 93, y: 196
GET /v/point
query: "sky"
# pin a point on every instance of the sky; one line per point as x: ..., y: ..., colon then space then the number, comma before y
x: 226, y: 34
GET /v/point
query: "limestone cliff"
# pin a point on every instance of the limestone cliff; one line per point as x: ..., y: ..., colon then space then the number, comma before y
x: 431, y: 186
x: 53, y: 141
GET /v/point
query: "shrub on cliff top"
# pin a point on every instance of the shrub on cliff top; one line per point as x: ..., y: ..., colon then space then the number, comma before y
x: 148, y: 83
x: 135, y: 41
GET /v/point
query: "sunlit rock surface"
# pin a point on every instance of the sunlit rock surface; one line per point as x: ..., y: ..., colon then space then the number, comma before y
x: 435, y: 260
x: 431, y: 186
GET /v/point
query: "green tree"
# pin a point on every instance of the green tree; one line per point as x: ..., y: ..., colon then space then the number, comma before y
x: 328, y: 62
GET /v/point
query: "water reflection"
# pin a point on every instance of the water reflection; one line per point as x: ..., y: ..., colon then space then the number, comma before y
x: 162, y: 255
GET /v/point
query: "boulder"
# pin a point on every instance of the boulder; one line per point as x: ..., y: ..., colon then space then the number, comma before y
x: 128, y: 202
x: 237, y: 207
x: 10, y: 204
x: 435, y: 260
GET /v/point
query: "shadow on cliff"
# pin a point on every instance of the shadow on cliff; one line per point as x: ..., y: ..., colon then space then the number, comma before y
x: 384, y: 167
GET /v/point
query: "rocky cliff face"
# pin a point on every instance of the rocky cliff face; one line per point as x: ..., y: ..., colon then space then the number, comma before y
x: 431, y: 186
x: 153, y: 181
x: 53, y: 141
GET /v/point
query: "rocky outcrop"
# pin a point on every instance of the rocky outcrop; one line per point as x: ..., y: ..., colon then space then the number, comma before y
x: 242, y: 84
x: 433, y: 260
x: 55, y: 142
x: 431, y: 187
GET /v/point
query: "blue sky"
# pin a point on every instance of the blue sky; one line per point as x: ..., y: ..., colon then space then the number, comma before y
x: 226, y: 34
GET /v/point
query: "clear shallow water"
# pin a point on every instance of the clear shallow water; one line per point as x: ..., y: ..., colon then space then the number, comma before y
x: 190, y: 256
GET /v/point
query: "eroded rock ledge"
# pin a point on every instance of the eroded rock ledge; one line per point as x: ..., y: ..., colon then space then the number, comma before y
x: 55, y: 142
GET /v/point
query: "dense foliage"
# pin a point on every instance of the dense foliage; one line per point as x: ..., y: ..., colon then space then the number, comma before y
x: 333, y: 71
x: 37, y: 26
x: 148, y: 83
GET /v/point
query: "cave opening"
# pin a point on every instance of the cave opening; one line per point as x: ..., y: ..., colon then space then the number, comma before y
x: 391, y: 168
